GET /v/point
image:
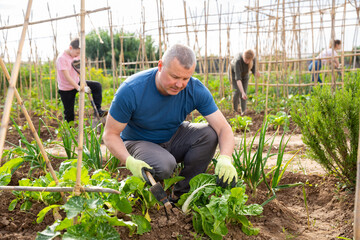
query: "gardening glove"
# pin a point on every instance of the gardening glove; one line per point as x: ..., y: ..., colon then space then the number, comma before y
x: 226, y: 172
x: 137, y: 168
x: 87, y: 89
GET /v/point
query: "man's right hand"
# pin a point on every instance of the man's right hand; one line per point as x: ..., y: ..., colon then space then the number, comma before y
x: 136, y: 166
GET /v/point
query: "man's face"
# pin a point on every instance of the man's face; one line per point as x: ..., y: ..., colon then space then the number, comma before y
x: 173, y: 78
x: 74, y: 52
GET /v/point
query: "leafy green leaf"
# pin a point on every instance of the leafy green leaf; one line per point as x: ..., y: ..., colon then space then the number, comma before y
x: 171, y: 181
x: 42, y: 213
x: 120, y: 203
x: 143, y: 225
x: 26, y: 205
x: 105, y: 231
x: 13, y: 204
x: 74, y: 206
x: 49, y: 233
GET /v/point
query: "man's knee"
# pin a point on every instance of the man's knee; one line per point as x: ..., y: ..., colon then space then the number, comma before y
x: 165, y: 169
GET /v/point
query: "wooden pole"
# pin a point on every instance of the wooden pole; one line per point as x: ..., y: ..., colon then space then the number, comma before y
x: 283, y: 41
x: 32, y: 128
x: 343, y: 44
x: 186, y: 25
x: 257, y: 52
x: 221, y: 66
x: 13, y: 80
x: 206, y: 13
x: 77, y: 188
x: 50, y: 82
x: 57, y: 189
x: 113, y: 60
x: 142, y: 40
x: 159, y: 26
x: 163, y: 23
x: 55, y: 19
x: 333, y: 79
x: 298, y: 36
x: 357, y: 198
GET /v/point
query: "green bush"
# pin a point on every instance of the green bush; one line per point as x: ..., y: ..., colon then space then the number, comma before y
x: 329, y: 123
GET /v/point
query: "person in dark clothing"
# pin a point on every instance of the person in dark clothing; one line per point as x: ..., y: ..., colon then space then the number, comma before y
x: 239, y: 70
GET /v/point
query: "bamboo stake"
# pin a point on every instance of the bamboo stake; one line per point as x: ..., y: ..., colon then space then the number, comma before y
x: 32, y: 128
x: 269, y: 70
x: 55, y: 19
x: 257, y: 53
x: 206, y: 12
x: 142, y: 40
x: 121, y: 57
x: 77, y: 188
x: 30, y: 86
x: 333, y: 79
x: 13, y: 79
x: 186, y: 25
x: 343, y: 44
x: 159, y: 27
x: 113, y: 60
x: 357, y: 197
x: 57, y: 189
x: 163, y: 22
x: 104, y: 67
x: 50, y: 82
x: 298, y: 36
x: 221, y: 66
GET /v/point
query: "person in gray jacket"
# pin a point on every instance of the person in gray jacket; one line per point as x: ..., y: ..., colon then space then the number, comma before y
x: 239, y: 70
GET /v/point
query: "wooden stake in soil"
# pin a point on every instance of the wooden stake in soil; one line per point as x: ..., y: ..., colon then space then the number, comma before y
x: 77, y: 189
x: 32, y: 128
x: 13, y: 79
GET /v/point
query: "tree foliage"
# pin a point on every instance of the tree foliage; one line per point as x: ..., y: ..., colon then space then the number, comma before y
x: 131, y: 43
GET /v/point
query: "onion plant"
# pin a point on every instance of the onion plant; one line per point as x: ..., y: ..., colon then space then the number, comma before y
x: 252, y: 167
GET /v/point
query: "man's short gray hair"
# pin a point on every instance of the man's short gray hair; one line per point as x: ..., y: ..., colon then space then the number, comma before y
x: 182, y: 53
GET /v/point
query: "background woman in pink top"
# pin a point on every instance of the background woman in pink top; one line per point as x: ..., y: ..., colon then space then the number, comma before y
x: 69, y: 82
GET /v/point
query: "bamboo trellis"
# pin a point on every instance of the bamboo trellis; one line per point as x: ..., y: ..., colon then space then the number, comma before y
x: 291, y: 26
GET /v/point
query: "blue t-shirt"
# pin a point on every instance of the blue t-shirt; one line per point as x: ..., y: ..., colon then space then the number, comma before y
x: 151, y: 116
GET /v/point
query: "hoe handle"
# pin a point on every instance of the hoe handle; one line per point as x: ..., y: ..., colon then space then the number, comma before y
x: 150, y: 177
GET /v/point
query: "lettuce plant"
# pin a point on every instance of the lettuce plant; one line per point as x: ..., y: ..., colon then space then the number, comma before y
x: 213, y: 207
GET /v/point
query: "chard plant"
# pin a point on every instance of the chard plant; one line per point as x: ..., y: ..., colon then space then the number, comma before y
x: 280, y: 119
x: 240, y: 123
x: 213, y: 207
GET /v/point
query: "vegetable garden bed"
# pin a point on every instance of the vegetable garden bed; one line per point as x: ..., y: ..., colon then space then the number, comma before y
x: 330, y: 207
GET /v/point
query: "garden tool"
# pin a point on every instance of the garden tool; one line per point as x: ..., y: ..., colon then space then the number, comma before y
x: 158, y: 192
x: 99, y: 119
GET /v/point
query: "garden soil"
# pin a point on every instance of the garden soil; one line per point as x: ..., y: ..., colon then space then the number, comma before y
x: 329, y: 205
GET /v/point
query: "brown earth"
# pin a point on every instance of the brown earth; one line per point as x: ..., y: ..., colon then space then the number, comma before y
x: 330, y: 207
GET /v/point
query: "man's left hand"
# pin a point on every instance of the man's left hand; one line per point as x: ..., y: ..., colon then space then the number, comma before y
x: 226, y: 171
